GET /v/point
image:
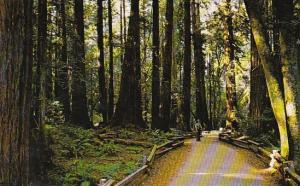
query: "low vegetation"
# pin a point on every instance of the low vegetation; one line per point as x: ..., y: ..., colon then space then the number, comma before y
x: 81, y: 156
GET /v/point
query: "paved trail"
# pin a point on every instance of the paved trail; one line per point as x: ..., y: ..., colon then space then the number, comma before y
x: 209, y: 163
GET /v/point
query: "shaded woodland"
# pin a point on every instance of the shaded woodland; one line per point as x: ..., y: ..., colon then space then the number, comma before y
x: 70, y: 70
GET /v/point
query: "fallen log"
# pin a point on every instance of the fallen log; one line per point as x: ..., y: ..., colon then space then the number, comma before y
x: 131, y: 142
x: 107, y: 135
x: 133, y: 176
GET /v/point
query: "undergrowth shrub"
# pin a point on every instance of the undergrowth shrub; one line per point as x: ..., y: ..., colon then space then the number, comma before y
x: 82, y: 158
x: 54, y: 113
x: 70, y: 141
x: 127, y: 134
x: 265, y: 133
x: 111, y: 148
x: 135, y: 149
x: 79, y: 172
x: 158, y: 136
x: 85, y: 172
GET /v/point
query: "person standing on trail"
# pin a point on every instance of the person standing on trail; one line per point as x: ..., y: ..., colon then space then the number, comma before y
x: 199, y: 129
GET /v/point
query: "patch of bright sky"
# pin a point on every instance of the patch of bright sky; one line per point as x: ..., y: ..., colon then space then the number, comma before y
x: 212, y: 6
x: 206, y: 11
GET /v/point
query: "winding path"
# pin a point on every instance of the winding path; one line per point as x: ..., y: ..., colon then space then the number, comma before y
x: 209, y: 163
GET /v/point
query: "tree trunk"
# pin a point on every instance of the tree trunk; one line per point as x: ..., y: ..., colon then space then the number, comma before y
x: 218, y: 83
x: 138, y: 76
x: 63, y: 72
x: 15, y: 94
x: 187, y: 66
x: 155, y: 66
x: 39, y: 157
x: 264, y: 50
x: 111, y: 64
x: 41, y: 67
x: 258, y: 88
x: 290, y: 73
x: 231, y: 98
x: 167, y: 67
x: 144, y: 60
x: 297, y: 13
x: 101, y: 69
x: 49, y: 57
x: 79, y: 100
x: 121, y: 34
x: 201, y: 105
x: 210, y: 88
x: 128, y: 109
x: 124, y: 19
x: 57, y: 48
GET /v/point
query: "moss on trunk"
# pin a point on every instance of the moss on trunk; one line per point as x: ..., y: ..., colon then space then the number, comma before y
x: 264, y: 50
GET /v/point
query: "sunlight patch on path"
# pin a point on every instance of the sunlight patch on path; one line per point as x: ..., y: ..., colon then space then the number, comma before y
x: 231, y: 175
x: 209, y: 163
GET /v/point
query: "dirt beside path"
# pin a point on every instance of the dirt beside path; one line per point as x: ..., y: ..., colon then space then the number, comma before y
x: 210, y: 163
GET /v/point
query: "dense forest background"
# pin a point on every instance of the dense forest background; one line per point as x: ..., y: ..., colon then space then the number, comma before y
x: 141, y: 64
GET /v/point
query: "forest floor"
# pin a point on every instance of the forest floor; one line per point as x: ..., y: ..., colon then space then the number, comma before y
x: 210, y: 162
x: 84, y: 157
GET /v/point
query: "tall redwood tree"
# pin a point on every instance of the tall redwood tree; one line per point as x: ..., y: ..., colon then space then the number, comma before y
x: 155, y: 66
x: 128, y: 109
x: 15, y: 86
x: 79, y: 100
x: 187, y: 66
x: 167, y: 68
x: 201, y: 105
x: 101, y: 69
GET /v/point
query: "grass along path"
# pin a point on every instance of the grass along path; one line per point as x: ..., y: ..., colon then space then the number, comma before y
x: 210, y: 163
